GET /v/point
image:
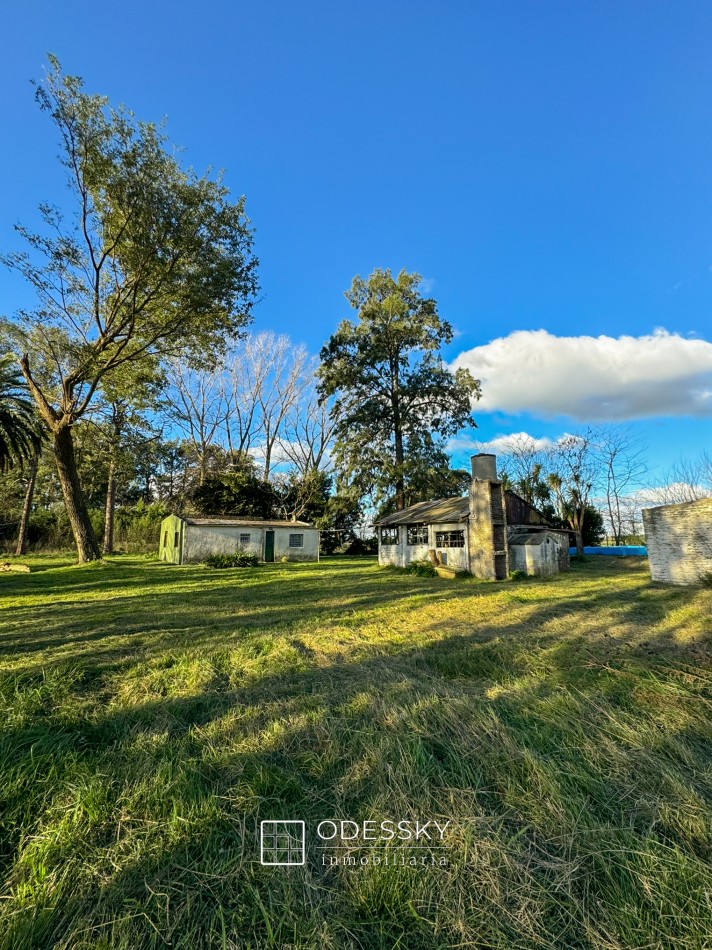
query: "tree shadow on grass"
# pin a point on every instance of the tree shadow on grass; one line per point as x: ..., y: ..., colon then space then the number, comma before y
x: 548, y: 740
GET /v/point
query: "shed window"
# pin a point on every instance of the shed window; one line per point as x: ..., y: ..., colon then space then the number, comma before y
x: 417, y: 534
x: 165, y: 539
x: 296, y: 540
x: 389, y: 536
x: 175, y: 539
x: 244, y: 539
x: 449, y: 539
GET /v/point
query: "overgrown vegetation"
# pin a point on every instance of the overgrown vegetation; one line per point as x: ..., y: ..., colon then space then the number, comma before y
x: 151, y: 717
x: 238, y: 559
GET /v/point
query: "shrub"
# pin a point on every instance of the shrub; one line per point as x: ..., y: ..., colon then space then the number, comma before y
x: 238, y: 559
x: 423, y: 568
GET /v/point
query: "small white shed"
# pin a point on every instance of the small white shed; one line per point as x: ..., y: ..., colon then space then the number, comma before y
x: 539, y: 554
x: 188, y: 540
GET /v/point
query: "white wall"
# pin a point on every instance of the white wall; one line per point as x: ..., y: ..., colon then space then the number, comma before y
x: 203, y: 540
x: 401, y: 554
x: 310, y: 550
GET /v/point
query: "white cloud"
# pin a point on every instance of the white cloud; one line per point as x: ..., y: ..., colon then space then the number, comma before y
x: 503, y: 444
x: 593, y: 378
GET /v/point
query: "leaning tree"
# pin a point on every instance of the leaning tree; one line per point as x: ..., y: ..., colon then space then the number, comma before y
x: 152, y: 262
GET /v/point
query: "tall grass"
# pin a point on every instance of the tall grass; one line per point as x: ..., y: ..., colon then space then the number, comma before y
x: 152, y: 716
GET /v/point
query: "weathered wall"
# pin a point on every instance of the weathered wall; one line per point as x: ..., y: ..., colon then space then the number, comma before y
x: 679, y: 541
x: 401, y: 554
x: 168, y: 550
x: 203, y: 540
x: 538, y: 560
x: 456, y: 558
x: 310, y: 551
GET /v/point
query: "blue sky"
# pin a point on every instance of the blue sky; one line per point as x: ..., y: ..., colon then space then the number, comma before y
x: 546, y: 166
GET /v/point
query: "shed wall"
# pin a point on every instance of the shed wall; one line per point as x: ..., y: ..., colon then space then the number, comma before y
x: 203, y: 540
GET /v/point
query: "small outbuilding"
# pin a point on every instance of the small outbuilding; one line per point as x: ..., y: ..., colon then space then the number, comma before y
x: 679, y: 541
x: 187, y: 540
x: 540, y: 554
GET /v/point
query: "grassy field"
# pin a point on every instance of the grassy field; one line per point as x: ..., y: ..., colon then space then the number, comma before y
x: 152, y: 716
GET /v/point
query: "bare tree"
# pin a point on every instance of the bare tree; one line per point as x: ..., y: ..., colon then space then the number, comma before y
x: 687, y: 480
x: 621, y: 466
x: 308, y: 434
x: 525, y: 465
x: 290, y: 372
x: 198, y: 408
x: 576, y: 473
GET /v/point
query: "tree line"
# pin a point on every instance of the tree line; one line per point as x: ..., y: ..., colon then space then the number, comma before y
x: 134, y: 386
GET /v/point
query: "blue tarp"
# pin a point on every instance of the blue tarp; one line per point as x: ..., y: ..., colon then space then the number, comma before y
x: 621, y: 550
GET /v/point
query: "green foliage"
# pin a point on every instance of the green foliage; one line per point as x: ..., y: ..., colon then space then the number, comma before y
x: 19, y: 427
x: 395, y: 400
x: 153, y: 262
x: 238, y: 559
x: 593, y: 526
x: 422, y: 567
x: 234, y: 493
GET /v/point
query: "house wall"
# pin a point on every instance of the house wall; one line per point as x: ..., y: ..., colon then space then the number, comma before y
x: 679, y: 541
x: 310, y: 550
x: 401, y: 554
x: 168, y: 550
x: 456, y: 558
x: 203, y: 540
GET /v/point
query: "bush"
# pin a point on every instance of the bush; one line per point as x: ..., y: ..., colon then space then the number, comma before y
x: 239, y: 559
x: 423, y: 568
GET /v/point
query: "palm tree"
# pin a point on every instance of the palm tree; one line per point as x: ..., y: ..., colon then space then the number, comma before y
x: 19, y: 430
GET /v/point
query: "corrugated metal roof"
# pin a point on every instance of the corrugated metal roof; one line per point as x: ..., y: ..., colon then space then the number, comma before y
x: 246, y: 523
x: 439, y: 511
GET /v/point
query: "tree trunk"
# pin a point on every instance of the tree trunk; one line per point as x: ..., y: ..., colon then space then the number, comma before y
x: 84, y: 538
x: 27, y: 506
x: 400, y: 481
x: 109, y: 512
x: 579, y: 543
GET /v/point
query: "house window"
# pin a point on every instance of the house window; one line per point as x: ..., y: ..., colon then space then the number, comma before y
x: 244, y: 539
x: 417, y: 534
x: 175, y: 540
x: 449, y: 539
x: 389, y: 536
x: 296, y: 540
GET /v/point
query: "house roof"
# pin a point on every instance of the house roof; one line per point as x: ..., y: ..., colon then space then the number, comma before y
x: 439, y: 511
x: 535, y: 538
x: 223, y: 522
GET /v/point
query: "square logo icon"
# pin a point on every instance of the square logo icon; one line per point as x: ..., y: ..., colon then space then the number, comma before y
x: 281, y: 843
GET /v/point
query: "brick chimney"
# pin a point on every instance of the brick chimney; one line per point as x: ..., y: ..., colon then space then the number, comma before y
x: 487, y: 533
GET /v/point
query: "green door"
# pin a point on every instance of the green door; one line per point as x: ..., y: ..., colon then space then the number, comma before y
x: 269, y: 545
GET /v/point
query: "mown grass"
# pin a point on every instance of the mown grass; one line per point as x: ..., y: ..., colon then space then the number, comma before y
x: 153, y: 715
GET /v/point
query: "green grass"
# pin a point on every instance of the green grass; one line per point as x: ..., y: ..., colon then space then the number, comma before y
x: 152, y: 715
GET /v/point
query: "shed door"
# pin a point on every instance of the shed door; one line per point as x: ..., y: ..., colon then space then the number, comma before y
x: 269, y: 545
